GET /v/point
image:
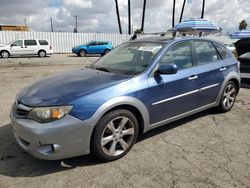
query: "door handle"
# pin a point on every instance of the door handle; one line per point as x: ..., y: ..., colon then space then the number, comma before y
x: 193, y: 77
x: 223, y: 69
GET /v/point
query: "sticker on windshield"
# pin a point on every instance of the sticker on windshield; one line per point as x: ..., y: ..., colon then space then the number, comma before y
x: 149, y: 48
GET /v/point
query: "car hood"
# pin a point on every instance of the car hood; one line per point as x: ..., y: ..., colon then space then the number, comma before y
x: 61, y: 89
x: 3, y: 45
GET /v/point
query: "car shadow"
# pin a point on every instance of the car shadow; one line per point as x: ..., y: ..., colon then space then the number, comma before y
x: 245, y: 83
x: 25, y: 57
x: 15, y: 162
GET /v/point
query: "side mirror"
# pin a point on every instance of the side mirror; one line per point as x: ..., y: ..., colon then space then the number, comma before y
x: 167, y: 69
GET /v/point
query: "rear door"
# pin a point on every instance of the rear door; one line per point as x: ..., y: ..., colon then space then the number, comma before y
x: 30, y: 47
x: 211, y: 70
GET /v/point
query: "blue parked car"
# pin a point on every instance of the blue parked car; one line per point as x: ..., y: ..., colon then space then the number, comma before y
x: 137, y: 87
x: 93, y: 47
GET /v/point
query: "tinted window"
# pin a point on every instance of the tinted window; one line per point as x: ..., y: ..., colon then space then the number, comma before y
x: 179, y: 54
x: 221, y: 50
x: 30, y: 42
x: 102, y: 43
x: 43, y: 42
x: 205, y: 51
x: 93, y: 43
x: 18, y: 43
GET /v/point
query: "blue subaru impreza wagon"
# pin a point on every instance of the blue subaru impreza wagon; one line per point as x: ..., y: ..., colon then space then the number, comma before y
x: 138, y: 86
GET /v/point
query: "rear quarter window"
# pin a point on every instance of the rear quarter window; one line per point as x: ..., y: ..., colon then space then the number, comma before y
x: 43, y: 42
x: 222, y: 50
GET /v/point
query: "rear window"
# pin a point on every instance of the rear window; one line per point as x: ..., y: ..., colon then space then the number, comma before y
x: 102, y: 43
x: 206, y: 53
x: 43, y: 42
x: 222, y: 51
x: 30, y: 43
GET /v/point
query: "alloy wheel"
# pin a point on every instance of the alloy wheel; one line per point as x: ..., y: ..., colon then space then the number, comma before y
x: 117, y: 136
x: 5, y: 54
x: 229, y: 96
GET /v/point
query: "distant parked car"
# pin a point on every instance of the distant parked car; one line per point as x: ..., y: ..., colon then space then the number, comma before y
x: 93, y: 47
x: 26, y: 47
x: 243, y: 49
x: 244, y: 60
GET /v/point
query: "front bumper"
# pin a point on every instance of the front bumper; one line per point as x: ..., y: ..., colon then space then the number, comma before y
x: 64, y: 138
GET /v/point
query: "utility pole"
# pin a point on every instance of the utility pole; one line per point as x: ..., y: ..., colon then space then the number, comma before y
x: 51, y: 25
x: 143, y: 15
x: 182, y: 10
x: 76, y: 17
x: 173, y: 16
x: 25, y: 23
x: 129, y: 18
x: 203, y: 8
x: 118, y: 16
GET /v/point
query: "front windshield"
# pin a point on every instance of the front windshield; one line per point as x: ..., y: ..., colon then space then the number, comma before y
x: 128, y: 58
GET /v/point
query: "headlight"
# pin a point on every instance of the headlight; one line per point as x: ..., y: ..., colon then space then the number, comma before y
x: 48, y: 114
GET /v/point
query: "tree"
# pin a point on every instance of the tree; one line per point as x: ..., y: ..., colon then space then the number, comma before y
x: 243, y: 25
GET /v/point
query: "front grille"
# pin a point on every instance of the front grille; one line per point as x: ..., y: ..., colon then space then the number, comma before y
x: 20, y: 110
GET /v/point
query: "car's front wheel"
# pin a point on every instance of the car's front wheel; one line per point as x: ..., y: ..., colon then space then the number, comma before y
x: 228, y: 97
x: 82, y: 53
x: 114, y: 135
x: 5, y: 54
x: 106, y: 51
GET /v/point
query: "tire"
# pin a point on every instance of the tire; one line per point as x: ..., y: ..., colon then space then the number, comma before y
x: 114, y: 135
x: 82, y: 53
x: 42, y: 53
x: 5, y: 54
x: 106, y: 51
x: 228, y: 97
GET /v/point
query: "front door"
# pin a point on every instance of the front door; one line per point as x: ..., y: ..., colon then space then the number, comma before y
x: 173, y: 95
x: 16, y: 48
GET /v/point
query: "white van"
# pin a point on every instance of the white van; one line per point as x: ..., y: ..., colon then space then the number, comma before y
x: 26, y: 47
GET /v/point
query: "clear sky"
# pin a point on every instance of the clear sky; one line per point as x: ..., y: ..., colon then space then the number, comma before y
x: 100, y: 15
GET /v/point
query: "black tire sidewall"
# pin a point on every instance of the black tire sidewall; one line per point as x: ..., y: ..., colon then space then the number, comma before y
x: 80, y: 52
x: 101, y: 125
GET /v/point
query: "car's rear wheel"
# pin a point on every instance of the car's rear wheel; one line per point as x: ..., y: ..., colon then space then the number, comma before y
x: 42, y: 53
x: 106, y: 51
x: 5, y: 54
x: 228, y: 97
x: 82, y: 53
x: 114, y: 135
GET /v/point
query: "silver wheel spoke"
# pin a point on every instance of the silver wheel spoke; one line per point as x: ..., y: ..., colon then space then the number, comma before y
x: 228, y: 104
x: 106, y: 140
x: 113, y: 148
x: 129, y: 131
x: 123, y: 144
x: 111, y: 127
x: 231, y: 91
x: 225, y: 101
x: 123, y: 123
x: 231, y: 98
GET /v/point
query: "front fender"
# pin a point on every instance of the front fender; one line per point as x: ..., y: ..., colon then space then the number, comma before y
x: 118, y: 101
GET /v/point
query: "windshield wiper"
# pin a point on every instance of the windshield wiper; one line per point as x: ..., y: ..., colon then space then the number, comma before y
x: 102, y: 69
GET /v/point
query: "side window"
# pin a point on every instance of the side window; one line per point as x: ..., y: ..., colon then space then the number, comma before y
x: 205, y: 51
x: 93, y: 43
x: 179, y: 54
x: 43, y: 42
x: 30, y: 43
x: 222, y: 51
x: 17, y: 43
